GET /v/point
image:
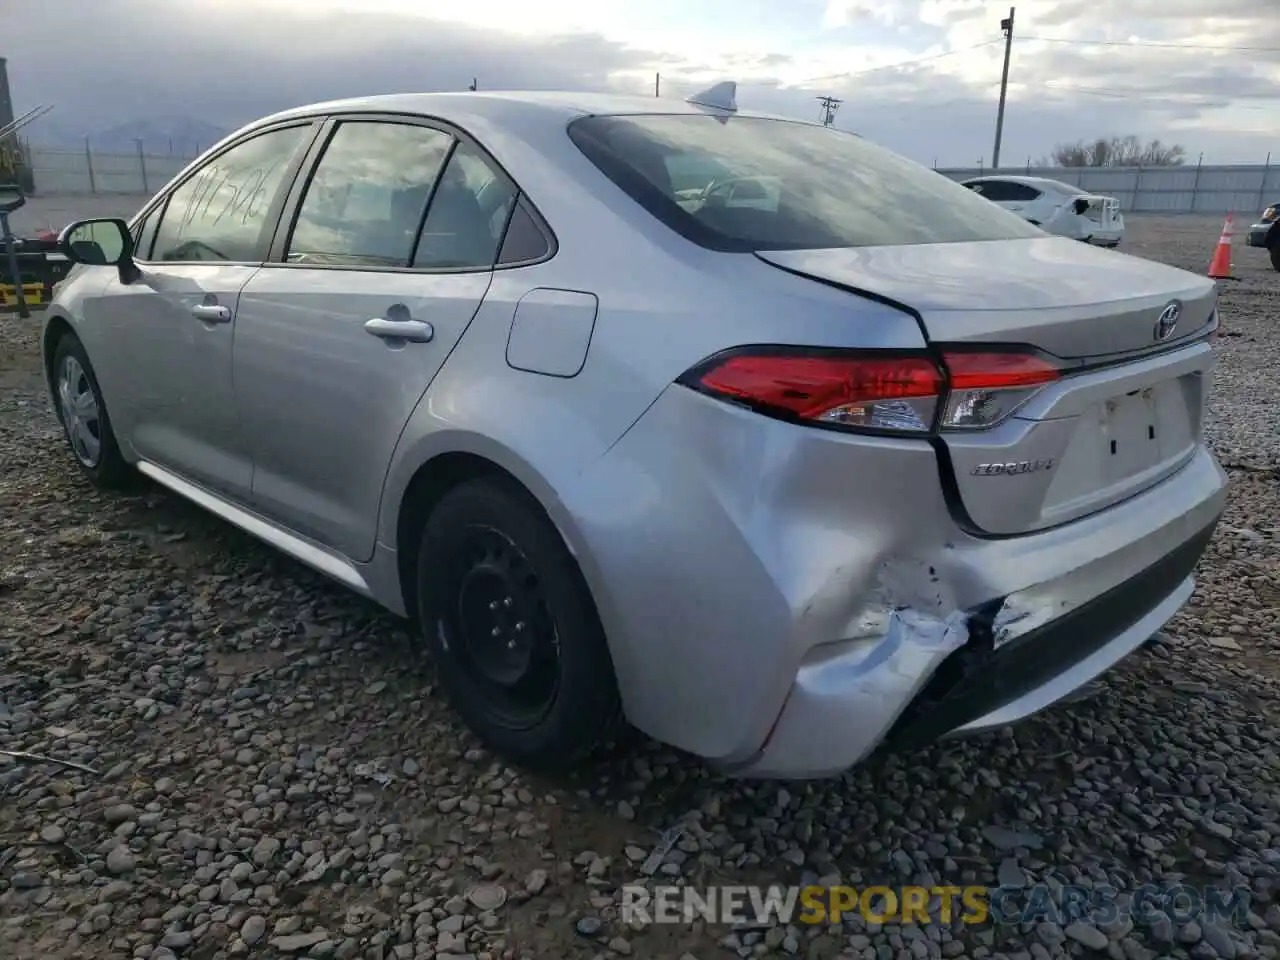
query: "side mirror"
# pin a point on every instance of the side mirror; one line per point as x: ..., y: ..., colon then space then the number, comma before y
x: 1080, y: 205
x: 100, y: 243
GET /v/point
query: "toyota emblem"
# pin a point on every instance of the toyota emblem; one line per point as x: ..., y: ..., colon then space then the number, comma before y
x: 1168, y: 321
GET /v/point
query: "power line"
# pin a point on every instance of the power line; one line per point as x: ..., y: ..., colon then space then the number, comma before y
x: 1151, y: 43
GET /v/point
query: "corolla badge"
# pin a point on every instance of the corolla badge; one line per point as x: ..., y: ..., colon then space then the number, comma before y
x: 1168, y: 321
x: 1012, y: 468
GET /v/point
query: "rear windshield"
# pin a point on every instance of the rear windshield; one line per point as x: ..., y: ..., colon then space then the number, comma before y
x: 746, y: 183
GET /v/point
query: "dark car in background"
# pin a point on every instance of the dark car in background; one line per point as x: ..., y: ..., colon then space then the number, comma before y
x: 1266, y: 233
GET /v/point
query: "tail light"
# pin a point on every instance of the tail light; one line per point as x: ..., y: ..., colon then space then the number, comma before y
x: 879, y: 391
x: 986, y: 388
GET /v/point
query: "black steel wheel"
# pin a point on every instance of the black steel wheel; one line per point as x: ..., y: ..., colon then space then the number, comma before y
x: 502, y: 629
x: 513, y: 629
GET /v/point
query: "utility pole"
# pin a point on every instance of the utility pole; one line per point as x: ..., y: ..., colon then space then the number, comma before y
x: 829, y: 107
x: 1007, y: 27
x: 657, y: 84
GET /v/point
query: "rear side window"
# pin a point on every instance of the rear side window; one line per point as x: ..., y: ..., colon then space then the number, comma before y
x: 525, y: 242
x: 749, y: 183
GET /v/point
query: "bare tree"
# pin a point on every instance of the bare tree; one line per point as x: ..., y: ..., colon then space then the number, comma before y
x: 1116, y: 152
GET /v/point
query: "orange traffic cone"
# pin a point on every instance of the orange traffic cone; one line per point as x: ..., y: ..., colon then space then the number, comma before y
x: 1220, y: 266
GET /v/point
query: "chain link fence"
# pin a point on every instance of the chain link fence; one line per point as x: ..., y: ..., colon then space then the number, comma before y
x: 1186, y: 189
x: 56, y: 171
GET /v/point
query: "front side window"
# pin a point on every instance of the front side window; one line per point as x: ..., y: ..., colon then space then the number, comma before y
x: 468, y: 214
x: 750, y: 183
x: 144, y: 235
x: 365, y: 202
x: 220, y: 213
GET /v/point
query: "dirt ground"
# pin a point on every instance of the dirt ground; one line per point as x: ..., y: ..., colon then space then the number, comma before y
x: 275, y: 773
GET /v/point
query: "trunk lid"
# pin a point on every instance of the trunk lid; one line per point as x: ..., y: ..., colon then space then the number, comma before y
x: 1065, y: 297
x: 1123, y: 421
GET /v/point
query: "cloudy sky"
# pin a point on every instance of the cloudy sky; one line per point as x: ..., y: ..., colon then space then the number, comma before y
x: 921, y: 76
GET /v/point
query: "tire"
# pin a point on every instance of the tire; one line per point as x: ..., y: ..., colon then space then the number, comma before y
x: 84, y: 418
x: 513, y: 629
x: 1274, y: 250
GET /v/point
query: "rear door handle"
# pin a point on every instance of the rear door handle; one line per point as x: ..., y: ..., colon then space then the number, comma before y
x: 211, y: 313
x: 419, y: 331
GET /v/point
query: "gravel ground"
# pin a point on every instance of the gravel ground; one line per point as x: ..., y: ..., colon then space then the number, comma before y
x: 275, y: 775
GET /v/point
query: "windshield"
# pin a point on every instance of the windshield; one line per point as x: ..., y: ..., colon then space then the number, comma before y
x: 749, y: 183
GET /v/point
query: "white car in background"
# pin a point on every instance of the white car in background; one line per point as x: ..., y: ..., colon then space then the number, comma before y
x: 1056, y: 207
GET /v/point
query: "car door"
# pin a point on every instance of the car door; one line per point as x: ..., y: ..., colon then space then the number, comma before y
x: 371, y: 285
x: 174, y: 326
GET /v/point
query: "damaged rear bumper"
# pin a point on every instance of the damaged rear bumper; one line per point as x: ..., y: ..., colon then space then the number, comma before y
x: 990, y: 665
x: 980, y: 687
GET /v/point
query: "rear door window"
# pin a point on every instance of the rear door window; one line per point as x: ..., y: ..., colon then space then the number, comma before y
x: 468, y: 214
x: 366, y: 199
x: 748, y: 183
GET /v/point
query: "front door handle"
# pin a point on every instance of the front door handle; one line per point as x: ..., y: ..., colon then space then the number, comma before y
x: 419, y: 331
x: 211, y: 313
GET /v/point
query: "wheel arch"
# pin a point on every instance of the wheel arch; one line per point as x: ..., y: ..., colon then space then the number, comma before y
x: 427, y: 487
x: 452, y: 459
x: 56, y: 327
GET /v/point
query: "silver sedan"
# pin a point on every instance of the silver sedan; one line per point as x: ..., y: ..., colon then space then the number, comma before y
x: 740, y: 430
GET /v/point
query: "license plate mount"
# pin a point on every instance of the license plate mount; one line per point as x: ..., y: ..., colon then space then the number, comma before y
x: 1130, y: 434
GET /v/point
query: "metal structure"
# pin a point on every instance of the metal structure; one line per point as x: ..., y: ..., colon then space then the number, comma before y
x: 6, y: 100
x: 13, y: 162
x: 12, y: 198
x: 829, y: 107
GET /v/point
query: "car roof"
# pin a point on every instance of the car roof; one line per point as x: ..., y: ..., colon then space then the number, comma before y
x: 558, y: 107
x: 1044, y: 183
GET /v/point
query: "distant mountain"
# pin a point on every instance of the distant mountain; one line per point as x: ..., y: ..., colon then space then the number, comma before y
x: 160, y: 136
